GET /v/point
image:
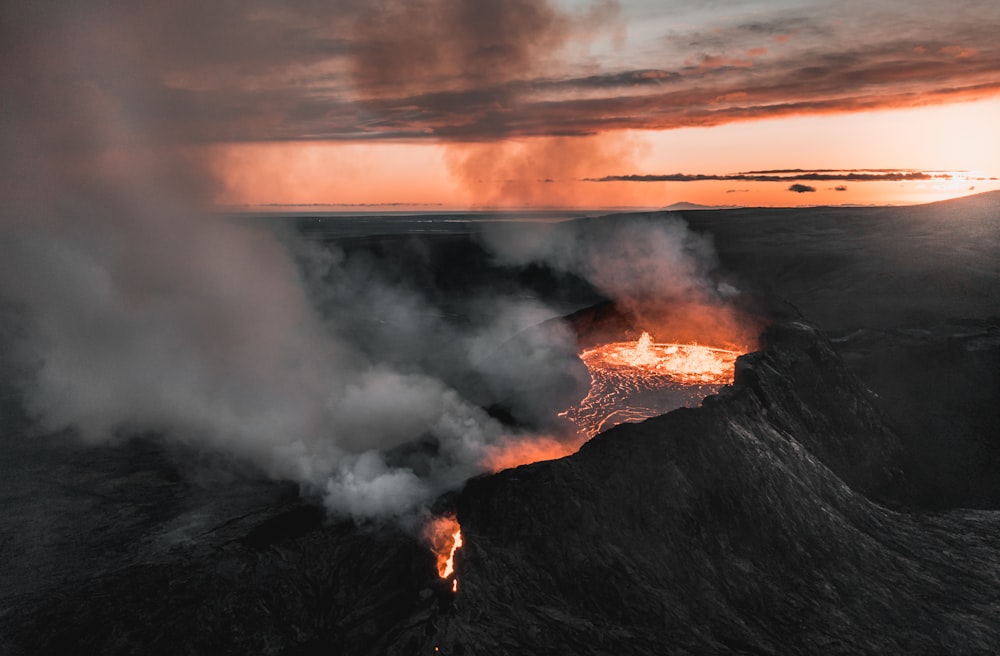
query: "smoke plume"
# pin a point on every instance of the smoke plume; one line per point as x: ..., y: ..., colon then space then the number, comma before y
x: 142, y: 314
x: 652, y: 266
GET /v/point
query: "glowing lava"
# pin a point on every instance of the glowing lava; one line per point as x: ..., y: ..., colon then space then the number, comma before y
x: 523, y: 450
x: 632, y: 381
x: 687, y: 364
x: 445, y: 538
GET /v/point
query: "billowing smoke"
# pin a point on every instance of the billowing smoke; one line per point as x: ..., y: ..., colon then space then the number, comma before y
x: 653, y: 267
x: 141, y: 314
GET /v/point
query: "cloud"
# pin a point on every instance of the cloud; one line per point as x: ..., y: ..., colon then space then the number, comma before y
x: 801, y: 188
x: 460, y: 70
x: 781, y: 175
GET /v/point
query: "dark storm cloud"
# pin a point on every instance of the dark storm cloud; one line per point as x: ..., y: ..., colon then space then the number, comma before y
x: 801, y: 188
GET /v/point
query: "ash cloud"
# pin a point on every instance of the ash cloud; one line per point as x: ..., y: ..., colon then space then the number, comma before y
x: 143, y: 315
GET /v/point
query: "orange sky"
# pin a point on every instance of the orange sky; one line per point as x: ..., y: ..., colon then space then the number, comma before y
x: 961, y: 139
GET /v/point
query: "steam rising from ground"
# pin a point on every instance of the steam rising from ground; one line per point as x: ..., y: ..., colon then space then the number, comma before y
x: 203, y: 331
x: 652, y: 266
x: 142, y: 315
x: 318, y: 368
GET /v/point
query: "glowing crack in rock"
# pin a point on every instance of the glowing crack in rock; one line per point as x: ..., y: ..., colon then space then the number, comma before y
x: 444, y: 535
x: 633, y: 381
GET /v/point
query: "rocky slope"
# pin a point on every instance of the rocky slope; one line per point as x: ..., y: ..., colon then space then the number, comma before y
x: 911, y: 298
x: 744, y: 526
x: 725, y: 529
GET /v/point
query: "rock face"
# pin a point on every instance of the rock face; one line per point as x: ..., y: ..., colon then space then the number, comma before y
x: 725, y: 529
x: 749, y: 525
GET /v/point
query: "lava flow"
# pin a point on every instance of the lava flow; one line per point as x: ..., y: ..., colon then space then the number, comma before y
x: 632, y: 381
x: 445, y: 538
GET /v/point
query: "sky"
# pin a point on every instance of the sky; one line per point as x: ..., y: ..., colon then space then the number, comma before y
x: 452, y: 104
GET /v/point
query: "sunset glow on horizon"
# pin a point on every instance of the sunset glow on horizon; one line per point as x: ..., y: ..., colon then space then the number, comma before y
x: 457, y: 104
x: 959, y: 154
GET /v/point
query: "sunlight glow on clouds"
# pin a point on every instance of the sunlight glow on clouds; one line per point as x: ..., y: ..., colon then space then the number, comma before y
x: 280, y: 100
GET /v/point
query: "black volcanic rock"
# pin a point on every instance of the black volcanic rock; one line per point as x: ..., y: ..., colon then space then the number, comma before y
x: 800, y: 386
x: 909, y: 294
x: 725, y: 529
x: 745, y: 526
x: 602, y: 323
x: 940, y: 388
x: 337, y: 589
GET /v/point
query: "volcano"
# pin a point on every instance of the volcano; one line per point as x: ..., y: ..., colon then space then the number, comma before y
x: 746, y: 525
x: 783, y: 513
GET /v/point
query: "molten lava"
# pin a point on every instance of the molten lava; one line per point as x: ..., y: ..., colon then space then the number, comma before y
x: 456, y: 544
x: 687, y: 364
x: 445, y: 538
x: 632, y: 381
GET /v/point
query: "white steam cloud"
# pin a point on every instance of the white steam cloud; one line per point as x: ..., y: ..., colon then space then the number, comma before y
x: 142, y: 315
x: 653, y: 267
x: 631, y: 258
x: 202, y: 330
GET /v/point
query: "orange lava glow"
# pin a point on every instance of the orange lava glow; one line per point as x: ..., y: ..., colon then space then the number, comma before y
x: 525, y: 451
x: 633, y: 381
x: 688, y: 364
x: 445, y: 538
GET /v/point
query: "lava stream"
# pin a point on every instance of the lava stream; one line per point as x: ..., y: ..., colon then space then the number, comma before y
x: 444, y: 534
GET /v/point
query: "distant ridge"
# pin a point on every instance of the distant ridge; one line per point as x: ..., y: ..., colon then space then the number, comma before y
x: 695, y: 206
x: 983, y: 199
